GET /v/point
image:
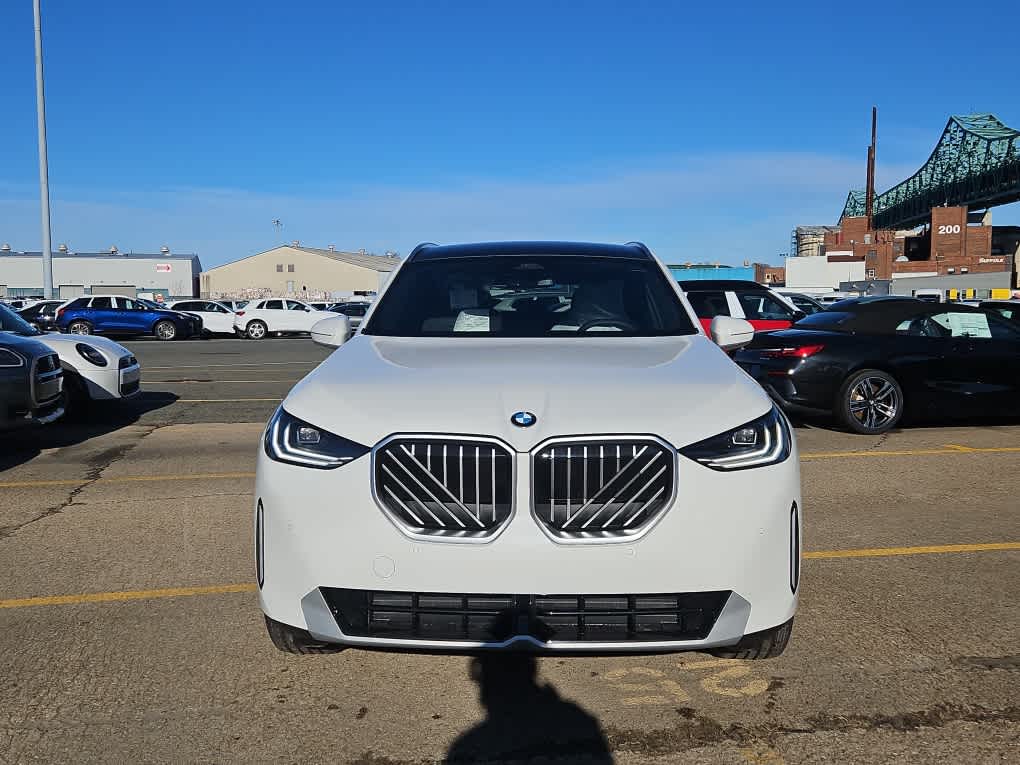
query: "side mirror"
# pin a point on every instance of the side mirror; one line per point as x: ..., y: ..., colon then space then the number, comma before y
x: 332, y: 332
x: 731, y: 334
x: 797, y: 316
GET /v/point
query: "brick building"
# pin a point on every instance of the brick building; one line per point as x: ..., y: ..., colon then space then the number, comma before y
x: 955, y: 243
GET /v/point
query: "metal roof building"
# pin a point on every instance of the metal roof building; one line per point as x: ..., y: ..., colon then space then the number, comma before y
x: 83, y: 273
x: 297, y: 271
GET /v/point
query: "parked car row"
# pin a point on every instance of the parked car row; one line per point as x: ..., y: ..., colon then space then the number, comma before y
x: 43, y: 376
x: 869, y: 362
x: 119, y: 315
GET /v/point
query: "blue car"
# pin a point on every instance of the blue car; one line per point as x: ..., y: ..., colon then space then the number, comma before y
x: 117, y: 315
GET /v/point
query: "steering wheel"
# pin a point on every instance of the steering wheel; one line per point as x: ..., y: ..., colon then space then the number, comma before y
x: 623, y: 324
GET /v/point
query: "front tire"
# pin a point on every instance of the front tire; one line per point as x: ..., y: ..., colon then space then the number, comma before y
x: 165, y: 330
x: 870, y: 402
x: 293, y: 640
x: 256, y: 330
x: 767, y: 644
x: 79, y: 328
x: 75, y: 395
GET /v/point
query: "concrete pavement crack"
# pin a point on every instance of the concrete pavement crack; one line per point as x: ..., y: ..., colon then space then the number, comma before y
x: 100, y: 463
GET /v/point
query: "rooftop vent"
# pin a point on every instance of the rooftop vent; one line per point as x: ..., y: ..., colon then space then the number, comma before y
x: 165, y: 250
x: 5, y: 248
x: 62, y: 248
x: 295, y: 243
x: 361, y: 251
x: 332, y: 248
x: 113, y: 249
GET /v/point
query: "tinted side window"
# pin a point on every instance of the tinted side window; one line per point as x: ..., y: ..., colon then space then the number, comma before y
x: 708, y: 304
x: 129, y: 305
x: 293, y: 305
x: 81, y: 302
x: 102, y: 302
x: 762, y: 306
x: 184, y: 306
x: 273, y: 305
x: 1001, y: 329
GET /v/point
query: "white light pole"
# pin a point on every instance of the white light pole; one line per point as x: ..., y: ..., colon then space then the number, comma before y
x: 44, y: 173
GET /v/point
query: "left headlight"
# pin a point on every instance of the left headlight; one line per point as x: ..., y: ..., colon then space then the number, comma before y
x: 764, y: 441
x: 90, y: 354
x: 296, y: 442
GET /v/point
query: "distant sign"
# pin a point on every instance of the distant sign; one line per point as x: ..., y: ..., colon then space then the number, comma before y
x: 163, y: 268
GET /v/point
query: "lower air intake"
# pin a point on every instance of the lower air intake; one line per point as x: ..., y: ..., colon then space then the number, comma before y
x: 495, y: 618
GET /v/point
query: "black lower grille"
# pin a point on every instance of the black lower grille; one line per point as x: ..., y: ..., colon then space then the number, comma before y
x: 129, y: 387
x: 490, y: 618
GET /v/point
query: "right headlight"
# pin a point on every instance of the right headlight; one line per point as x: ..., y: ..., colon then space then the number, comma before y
x: 297, y: 442
x: 9, y: 358
x: 764, y: 441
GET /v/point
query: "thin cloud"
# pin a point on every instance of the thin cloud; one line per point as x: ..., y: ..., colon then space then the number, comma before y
x: 724, y: 208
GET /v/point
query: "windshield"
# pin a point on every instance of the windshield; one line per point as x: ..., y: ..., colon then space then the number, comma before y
x: 829, y: 320
x: 11, y: 322
x: 530, y: 296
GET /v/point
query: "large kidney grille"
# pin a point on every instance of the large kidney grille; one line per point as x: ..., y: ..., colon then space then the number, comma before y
x: 591, y: 487
x: 601, y: 486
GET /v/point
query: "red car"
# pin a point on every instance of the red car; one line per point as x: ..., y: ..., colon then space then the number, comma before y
x: 742, y: 300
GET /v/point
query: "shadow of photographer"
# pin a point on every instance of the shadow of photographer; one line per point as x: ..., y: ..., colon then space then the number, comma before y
x: 524, y: 719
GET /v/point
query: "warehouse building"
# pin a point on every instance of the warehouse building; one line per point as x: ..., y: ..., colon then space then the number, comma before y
x: 165, y: 274
x: 297, y: 271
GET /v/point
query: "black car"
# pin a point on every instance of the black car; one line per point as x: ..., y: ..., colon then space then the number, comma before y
x: 31, y: 382
x: 868, y: 363
x: 42, y: 315
x: 1008, y: 309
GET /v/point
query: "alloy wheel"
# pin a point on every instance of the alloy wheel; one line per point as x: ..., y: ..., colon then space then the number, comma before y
x: 874, y: 402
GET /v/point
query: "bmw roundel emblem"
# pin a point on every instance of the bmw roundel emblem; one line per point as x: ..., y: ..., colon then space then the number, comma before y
x: 523, y: 419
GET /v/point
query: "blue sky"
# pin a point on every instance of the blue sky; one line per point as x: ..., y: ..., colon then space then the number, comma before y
x: 706, y: 130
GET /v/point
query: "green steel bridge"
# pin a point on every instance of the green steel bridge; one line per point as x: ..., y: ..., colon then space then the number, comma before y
x: 976, y: 164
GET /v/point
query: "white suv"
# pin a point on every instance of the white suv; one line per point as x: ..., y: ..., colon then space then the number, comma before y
x: 279, y: 315
x: 576, y: 469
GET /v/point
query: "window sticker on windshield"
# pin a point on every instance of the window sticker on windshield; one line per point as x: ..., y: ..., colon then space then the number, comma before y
x: 475, y: 320
x: 968, y: 324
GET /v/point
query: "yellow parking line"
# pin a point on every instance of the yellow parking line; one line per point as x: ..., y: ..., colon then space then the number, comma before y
x: 217, y: 382
x: 180, y: 592
x: 881, y: 552
x: 124, y: 479
x: 948, y: 449
x: 110, y: 597
x: 221, y: 400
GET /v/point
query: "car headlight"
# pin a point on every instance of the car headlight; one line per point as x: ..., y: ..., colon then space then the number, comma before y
x: 764, y: 441
x: 296, y: 442
x: 9, y: 358
x: 90, y: 354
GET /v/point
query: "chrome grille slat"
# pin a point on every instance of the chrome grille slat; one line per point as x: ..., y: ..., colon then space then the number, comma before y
x: 410, y: 453
x: 463, y: 486
x: 599, y: 488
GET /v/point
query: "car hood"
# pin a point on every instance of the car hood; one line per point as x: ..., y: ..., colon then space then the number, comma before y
x: 682, y: 389
x: 24, y: 344
x: 64, y: 345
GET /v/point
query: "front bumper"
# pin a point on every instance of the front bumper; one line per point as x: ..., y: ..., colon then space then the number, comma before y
x: 724, y: 533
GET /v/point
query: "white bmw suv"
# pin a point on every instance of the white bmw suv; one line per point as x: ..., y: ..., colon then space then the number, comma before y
x: 529, y: 446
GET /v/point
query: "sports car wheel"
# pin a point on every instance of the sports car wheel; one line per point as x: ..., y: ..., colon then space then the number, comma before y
x: 256, y: 330
x: 79, y: 328
x: 870, y: 402
x: 165, y: 330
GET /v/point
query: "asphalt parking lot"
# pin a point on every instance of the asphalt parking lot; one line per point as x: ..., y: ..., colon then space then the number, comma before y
x: 130, y: 632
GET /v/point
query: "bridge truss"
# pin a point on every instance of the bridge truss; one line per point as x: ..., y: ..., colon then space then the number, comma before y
x: 975, y: 164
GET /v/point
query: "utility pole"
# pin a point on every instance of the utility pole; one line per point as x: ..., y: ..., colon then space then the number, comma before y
x: 44, y: 172
x: 869, y: 194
